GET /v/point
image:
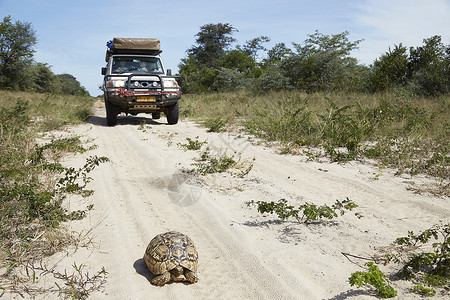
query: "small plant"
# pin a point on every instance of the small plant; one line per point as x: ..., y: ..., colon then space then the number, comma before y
x: 312, y: 155
x: 214, y: 124
x: 144, y: 127
x: 305, y: 213
x: 427, y: 269
x: 221, y: 163
x: 243, y: 168
x: 375, y: 278
x: 192, y: 144
x: 423, y: 291
x: 70, y: 182
x: 78, y: 285
x: 430, y: 267
x: 341, y: 129
x: 213, y: 164
x: 169, y: 137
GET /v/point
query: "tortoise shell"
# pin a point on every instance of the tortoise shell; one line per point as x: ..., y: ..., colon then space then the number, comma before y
x: 169, y: 250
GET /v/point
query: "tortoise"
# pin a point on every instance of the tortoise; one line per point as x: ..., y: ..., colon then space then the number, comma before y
x: 172, y: 256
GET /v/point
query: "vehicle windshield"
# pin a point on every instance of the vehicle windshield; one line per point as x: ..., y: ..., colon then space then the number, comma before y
x: 133, y: 64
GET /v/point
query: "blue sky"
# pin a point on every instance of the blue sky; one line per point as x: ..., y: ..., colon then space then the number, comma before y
x: 72, y: 35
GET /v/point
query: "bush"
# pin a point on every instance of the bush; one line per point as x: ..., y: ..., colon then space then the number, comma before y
x: 272, y: 80
x: 375, y: 278
x: 33, y: 184
x: 229, y: 80
x: 305, y: 213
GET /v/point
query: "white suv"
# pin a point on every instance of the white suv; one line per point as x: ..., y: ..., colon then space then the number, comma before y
x: 135, y: 81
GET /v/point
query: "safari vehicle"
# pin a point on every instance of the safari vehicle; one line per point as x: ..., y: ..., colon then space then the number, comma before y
x: 135, y: 81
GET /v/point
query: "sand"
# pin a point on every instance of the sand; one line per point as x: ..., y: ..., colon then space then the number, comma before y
x: 145, y: 190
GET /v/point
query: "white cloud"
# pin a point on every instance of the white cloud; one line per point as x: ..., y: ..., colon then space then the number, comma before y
x: 386, y: 23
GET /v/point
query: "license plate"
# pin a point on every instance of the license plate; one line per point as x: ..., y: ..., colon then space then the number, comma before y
x: 146, y: 99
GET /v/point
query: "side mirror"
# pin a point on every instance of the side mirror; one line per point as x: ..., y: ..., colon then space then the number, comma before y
x: 169, y: 72
x: 104, y: 71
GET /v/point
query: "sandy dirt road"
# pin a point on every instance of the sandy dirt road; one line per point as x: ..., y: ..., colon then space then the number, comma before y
x: 143, y: 191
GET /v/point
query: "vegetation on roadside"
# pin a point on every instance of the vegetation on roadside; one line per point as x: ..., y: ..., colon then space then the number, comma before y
x: 34, y: 184
x: 192, y: 144
x: 375, y: 278
x: 214, y: 124
x: 305, y: 213
x: 316, y: 99
x: 398, y: 130
x: 216, y: 162
x: 77, y: 285
x: 424, y: 259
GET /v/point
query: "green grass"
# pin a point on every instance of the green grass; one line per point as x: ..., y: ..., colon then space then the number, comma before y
x: 408, y: 133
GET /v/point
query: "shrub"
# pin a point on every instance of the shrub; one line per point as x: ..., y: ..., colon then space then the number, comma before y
x: 375, y: 278
x: 305, y: 213
x: 427, y: 269
x: 192, y: 144
x: 33, y: 184
x: 272, y: 80
x: 220, y: 163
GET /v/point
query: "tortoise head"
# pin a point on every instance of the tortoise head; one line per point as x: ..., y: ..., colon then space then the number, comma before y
x: 177, y: 273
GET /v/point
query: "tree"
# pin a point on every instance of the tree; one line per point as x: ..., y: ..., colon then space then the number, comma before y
x: 390, y: 70
x: 254, y: 45
x: 240, y: 61
x: 321, y: 63
x: 429, y: 67
x: 338, y: 44
x: 212, y: 41
x: 229, y: 80
x: 200, y: 67
x: 196, y: 78
x: 69, y: 85
x: 272, y: 80
x: 17, y: 40
x: 277, y: 54
x: 43, y: 79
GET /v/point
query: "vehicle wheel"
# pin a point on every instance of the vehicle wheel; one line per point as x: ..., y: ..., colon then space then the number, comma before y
x: 172, y: 114
x: 156, y: 115
x: 111, y: 113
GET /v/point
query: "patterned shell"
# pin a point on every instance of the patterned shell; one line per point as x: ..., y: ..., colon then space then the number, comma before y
x: 169, y: 250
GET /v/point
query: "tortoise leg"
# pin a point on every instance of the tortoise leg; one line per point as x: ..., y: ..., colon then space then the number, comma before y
x: 192, y: 277
x: 161, y: 279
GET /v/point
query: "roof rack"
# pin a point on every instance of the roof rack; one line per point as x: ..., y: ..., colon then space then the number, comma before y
x: 147, y: 46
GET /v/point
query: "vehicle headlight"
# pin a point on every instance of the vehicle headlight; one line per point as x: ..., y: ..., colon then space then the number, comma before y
x: 170, y: 83
x: 115, y: 83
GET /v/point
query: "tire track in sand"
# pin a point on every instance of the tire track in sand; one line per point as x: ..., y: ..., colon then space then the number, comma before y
x: 133, y: 212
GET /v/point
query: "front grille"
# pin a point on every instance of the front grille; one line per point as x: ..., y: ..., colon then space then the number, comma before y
x: 141, y: 84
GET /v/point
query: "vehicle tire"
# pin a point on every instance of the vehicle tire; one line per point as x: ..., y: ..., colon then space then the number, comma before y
x: 111, y: 113
x: 156, y: 115
x: 172, y: 114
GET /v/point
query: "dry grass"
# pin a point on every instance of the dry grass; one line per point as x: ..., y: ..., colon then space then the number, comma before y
x: 400, y: 130
x: 34, y: 185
